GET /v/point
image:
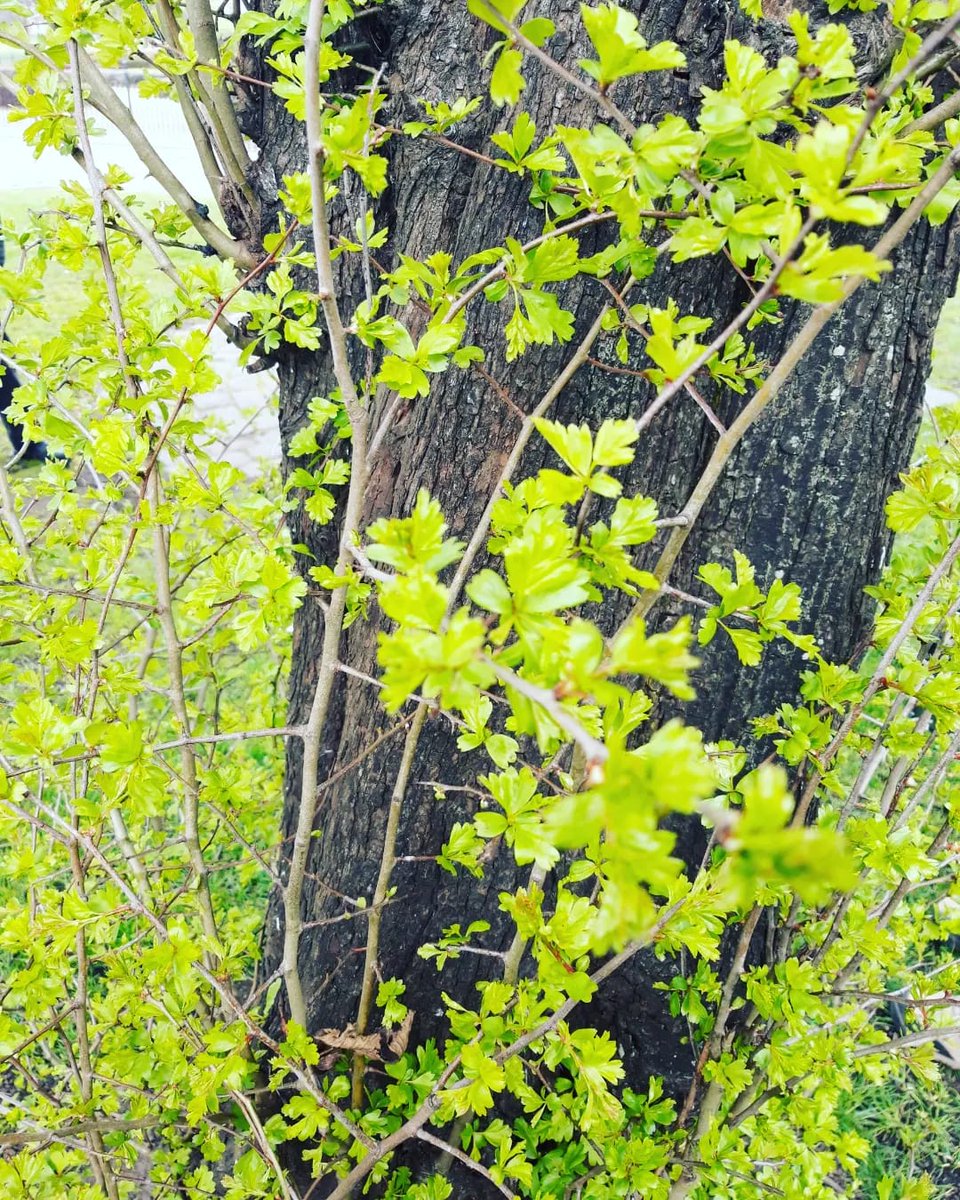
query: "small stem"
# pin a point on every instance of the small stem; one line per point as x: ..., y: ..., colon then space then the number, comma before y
x: 593, y: 750
x: 333, y: 619
x: 188, y: 761
x: 470, y: 1163
x: 243, y: 735
x: 380, y: 892
x: 575, y: 81
x: 500, y: 270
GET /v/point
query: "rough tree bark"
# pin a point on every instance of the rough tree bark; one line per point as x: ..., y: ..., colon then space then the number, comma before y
x: 804, y: 494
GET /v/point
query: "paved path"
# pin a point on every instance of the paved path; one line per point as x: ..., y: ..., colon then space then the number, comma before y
x: 245, y: 406
x: 937, y: 396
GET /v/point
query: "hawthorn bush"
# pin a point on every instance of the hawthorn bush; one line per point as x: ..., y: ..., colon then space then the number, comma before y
x: 163, y: 1031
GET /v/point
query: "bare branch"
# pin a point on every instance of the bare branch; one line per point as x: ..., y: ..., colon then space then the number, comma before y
x: 333, y: 619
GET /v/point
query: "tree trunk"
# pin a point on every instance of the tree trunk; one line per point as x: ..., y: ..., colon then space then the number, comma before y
x: 804, y: 494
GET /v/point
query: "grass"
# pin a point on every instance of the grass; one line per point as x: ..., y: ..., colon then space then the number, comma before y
x: 946, y: 350
x: 15, y: 210
x: 912, y: 1128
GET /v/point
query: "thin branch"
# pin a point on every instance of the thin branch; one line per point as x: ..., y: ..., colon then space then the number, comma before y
x: 742, y: 318
x: 470, y: 1163
x: 161, y: 559
x: 917, y: 1038
x: 930, y: 120
x: 201, y: 139
x: 333, y: 620
x: 149, y: 240
x: 925, y: 51
x: 106, y: 101
x: 500, y: 269
x: 220, y: 107
x: 714, y: 1096
x: 24, y: 1137
x: 593, y: 750
x: 904, y: 630
x: 243, y: 735
x: 381, y: 891
x: 770, y: 389
x: 599, y: 98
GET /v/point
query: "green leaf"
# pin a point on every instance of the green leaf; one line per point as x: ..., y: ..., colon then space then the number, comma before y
x: 819, y: 274
x: 767, y: 800
x: 572, y: 443
x: 507, y: 82
x: 414, y: 541
x: 538, y: 319
x: 489, y: 10
x: 462, y: 848
x: 664, y: 657
x: 622, y: 51
x: 487, y: 590
x: 614, y: 442
x: 822, y: 159
x: 633, y: 521
x: 485, y: 1077
x: 747, y: 643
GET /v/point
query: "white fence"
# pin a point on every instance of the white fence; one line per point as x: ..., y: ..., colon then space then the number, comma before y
x: 161, y: 121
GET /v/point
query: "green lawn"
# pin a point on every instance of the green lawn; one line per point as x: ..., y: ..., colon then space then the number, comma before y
x: 946, y: 353
x: 15, y: 209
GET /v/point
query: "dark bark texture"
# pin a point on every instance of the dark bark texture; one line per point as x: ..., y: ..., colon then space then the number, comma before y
x: 804, y: 494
